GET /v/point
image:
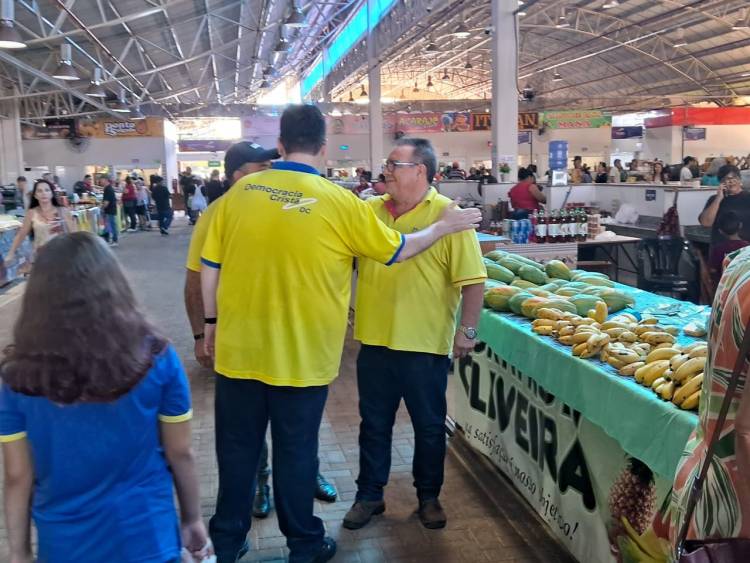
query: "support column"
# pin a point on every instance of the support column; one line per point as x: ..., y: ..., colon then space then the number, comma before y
x: 376, y: 107
x: 11, y: 155
x: 504, y: 89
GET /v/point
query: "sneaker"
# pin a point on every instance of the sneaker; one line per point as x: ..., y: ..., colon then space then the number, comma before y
x: 432, y: 515
x: 361, y: 513
x: 326, y: 552
x: 113, y: 244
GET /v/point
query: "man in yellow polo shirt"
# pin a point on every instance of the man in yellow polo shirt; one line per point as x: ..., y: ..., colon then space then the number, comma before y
x: 276, y: 278
x: 406, y: 321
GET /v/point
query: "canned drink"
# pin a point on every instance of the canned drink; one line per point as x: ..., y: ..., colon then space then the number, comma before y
x: 525, y: 230
x: 515, y: 231
x: 506, y: 227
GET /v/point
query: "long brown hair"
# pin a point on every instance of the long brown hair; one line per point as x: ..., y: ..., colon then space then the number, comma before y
x: 80, y: 336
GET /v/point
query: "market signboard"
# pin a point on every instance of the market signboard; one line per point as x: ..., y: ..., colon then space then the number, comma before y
x: 694, y: 133
x: 112, y: 128
x: 526, y: 121
x: 577, y: 478
x: 632, y: 132
x: 53, y: 129
x: 573, y: 119
x: 260, y: 126
x: 224, y: 128
x: 419, y: 123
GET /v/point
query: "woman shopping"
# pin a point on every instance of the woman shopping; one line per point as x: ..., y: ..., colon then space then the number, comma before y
x: 130, y: 202
x: 45, y: 219
x: 525, y: 196
x: 723, y: 506
x: 94, y: 420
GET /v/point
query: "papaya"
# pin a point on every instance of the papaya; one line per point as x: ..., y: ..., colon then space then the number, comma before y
x: 567, y: 292
x: 523, y: 284
x: 533, y: 275
x: 527, y: 261
x: 551, y: 287
x: 596, y: 280
x: 528, y: 307
x: 495, y: 255
x: 498, y: 272
x: 584, y: 303
x: 539, y: 292
x: 616, y: 300
x: 557, y: 269
x: 490, y: 283
x: 497, y: 298
x: 517, y: 300
x: 511, y: 263
x: 579, y: 273
x: 488, y: 262
x: 562, y: 305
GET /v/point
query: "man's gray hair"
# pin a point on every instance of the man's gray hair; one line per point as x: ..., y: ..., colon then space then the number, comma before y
x: 424, y: 153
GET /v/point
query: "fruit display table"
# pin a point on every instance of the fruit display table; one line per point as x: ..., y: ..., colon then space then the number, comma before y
x: 585, y: 446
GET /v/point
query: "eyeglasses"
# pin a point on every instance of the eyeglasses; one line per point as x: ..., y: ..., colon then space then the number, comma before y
x: 730, y: 178
x: 391, y: 165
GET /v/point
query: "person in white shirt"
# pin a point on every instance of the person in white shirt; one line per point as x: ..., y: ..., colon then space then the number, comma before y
x: 686, y: 174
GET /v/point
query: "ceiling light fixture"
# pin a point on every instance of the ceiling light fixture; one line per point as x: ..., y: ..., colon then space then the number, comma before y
x: 557, y: 77
x: 680, y: 40
x: 429, y: 82
x: 609, y: 4
x: 741, y: 22
x: 445, y: 75
x: 120, y: 105
x: 562, y: 21
x: 10, y: 38
x: 461, y: 31
x: 136, y: 113
x: 416, y: 87
x: 521, y: 13
x: 468, y: 65
x: 351, y: 97
x: 96, y: 90
x: 282, y: 46
x: 363, y: 93
x: 431, y: 47
x: 65, y: 70
x: 296, y: 18
x: 265, y: 84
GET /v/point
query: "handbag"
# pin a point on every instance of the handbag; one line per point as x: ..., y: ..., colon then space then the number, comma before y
x: 721, y: 550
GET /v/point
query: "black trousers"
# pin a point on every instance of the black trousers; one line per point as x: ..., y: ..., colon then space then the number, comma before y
x: 384, y: 377
x: 243, y: 410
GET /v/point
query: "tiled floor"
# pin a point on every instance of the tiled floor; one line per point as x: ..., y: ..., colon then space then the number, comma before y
x: 479, y: 529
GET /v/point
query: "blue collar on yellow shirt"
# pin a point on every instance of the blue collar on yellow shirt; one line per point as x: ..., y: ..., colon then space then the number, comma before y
x: 295, y: 167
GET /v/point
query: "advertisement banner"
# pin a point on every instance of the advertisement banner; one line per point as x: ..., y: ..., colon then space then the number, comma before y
x: 348, y: 125
x: 260, y: 126
x: 224, y: 128
x: 456, y: 122
x: 694, y: 133
x: 420, y: 123
x: 526, y: 121
x: 558, y: 155
x: 603, y: 505
x: 196, y: 145
x: 524, y: 137
x: 53, y: 129
x: 632, y: 132
x: 111, y: 128
x: 584, y: 119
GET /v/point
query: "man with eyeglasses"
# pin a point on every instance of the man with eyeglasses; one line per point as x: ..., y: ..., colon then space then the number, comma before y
x: 729, y: 197
x: 406, y: 321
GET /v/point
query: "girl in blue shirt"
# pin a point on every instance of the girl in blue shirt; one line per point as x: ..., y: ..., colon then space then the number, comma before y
x: 94, y: 420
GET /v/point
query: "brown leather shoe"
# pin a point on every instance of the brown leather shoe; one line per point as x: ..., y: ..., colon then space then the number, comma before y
x: 432, y: 515
x: 361, y: 513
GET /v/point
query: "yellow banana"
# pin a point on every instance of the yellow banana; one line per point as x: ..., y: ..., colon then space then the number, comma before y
x: 630, y: 369
x: 597, y: 342
x: 628, y: 336
x: 559, y: 325
x: 699, y: 352
x: 662, y: 354
x: 666, y: 391
x: 690, y: 347
x: 693, y: 385
x: 655, y: 338
x: 615, y: 324
x: 677, y: 361
x: 658, y: 382
x: 625, y: 356
x: 582, y: 321
x: 650, y: 372
x: 544, y: 322
x: 552, y: 314
x: 614, y: 361
x: 615, y: 332
x: 649, y: 321
x: 567, y: 330
x: 673, y: 330
x: 567, y: 340
x: 600, y: 311
x: 581, y: 337
x: 544, y: 330
x: 689, y: 369
x: 692, y: 402
x: 579, y: 349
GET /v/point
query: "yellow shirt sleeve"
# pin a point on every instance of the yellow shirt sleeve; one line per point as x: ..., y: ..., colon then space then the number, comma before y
x: 200, y: 232
x: 212, y: 251
x: 465, y: 259
x: 367, y: 236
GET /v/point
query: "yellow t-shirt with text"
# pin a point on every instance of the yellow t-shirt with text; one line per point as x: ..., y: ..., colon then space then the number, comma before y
x: 284, y: 240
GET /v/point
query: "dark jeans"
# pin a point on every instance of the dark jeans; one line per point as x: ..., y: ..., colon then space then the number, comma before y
x: 110, y: 226
x: 243, y: 408
x: 129, y: 207
x: 384, y: 377
x: 264, y: 470
x: 165, y: 220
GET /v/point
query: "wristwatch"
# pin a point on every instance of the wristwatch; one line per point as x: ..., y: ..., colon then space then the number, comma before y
x: 469, y: 332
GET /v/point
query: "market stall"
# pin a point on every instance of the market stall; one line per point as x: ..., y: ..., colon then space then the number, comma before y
x: 582, y: 443
x: 9, y: 226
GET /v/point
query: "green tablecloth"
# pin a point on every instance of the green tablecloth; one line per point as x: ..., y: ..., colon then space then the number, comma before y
x: 646, y: 427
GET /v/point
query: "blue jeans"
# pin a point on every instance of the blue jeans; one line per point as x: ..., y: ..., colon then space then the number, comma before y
x: 165, y: 220
x: 243, y: 408
x: 384, y: 377
x: 110, y: 226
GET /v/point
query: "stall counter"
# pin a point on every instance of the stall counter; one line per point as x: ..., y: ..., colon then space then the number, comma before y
x: 568, y: 432
x: 11, y: 272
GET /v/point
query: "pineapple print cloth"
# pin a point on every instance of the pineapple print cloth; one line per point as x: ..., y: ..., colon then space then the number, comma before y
x: 723, y: 509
